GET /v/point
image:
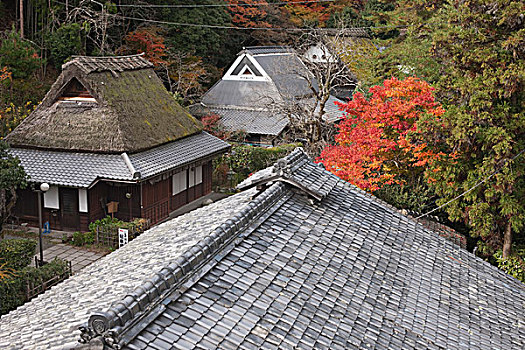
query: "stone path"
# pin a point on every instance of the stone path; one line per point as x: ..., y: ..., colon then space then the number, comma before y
x: 79, y: 258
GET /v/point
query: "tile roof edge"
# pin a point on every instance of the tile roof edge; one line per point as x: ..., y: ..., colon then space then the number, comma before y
x: 128, y: 312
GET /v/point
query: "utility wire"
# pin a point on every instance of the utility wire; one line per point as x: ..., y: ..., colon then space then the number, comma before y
x: 181, y: 24
x: 227, y: 5
x: 473, y: 187
x: 264, y: 28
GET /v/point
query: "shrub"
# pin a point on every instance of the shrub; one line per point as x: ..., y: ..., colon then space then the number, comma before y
x: 17, y: 253
x: 18, y: 55
x: 513, y: 265
x: 244, y: 160
x: 13, y: 289
x: 78, y: 239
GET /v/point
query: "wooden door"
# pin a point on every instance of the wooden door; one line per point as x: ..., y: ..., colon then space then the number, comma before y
x: 70, y: 217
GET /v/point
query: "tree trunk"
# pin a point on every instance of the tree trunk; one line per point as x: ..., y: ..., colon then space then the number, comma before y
x: 21, y: 18
x: 507, y: 240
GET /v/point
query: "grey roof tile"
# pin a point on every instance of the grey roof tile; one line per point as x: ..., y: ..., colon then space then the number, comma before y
x: 111, y: 278
x: 252, y: 121
x: 402, y: 287
x: 83, y: 169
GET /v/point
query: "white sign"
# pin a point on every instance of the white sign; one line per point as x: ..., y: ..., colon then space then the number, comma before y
x: 122, y: 237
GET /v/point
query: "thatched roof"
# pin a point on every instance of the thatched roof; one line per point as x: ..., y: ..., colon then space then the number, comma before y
x: 125, y: 108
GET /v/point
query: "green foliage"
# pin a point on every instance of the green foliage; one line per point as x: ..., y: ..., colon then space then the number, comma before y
x: 416, y: 197
x: 65, y: 42
x: 245, y: 160
x: 17, y: 253
x: 82, y: 238
x: 212, y: 44
x: 13, y: 289
x: 108, y: 223
x: 513, y: 265
x: 18, y: 55
x: 13, y: 115
x: 78, y: 239
x: 12, y: 177
x: 475, y: 59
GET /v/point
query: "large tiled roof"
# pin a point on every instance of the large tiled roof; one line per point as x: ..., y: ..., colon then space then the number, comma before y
x: 252, y: 121
x: 260, y: 94
x: 83, y: 169
x: 51, y: 320
x: 337, y: 270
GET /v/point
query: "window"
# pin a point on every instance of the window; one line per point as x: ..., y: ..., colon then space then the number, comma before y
x: 82, y: 200
x: 51, y: 198
x: 179, y: 182
x: 195, y: 176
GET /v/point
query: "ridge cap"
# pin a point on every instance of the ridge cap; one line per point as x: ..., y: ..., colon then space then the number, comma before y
x: 127, y: 312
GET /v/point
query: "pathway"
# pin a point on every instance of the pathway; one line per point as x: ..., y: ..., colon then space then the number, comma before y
x: 79, y: 258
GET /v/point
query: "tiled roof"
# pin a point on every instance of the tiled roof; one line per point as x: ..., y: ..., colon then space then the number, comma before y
x: 83, y: 169
x: 242, y: 94
x: 110, y: 63
x: 51, y: 320
x: 263, y: 50
x: 345, y: 271
x: 71, y: 169
x: 178, y: 153
x: 252, y: 121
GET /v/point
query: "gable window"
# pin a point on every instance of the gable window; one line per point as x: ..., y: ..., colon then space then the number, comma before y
x: 246, y: 68
x: 76, y: 92
x: 179, y: 183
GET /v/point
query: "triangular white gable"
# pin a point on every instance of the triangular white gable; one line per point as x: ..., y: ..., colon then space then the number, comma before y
x: 240, y: 67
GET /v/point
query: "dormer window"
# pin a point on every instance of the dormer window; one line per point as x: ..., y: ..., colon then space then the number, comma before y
x: 76, y: 92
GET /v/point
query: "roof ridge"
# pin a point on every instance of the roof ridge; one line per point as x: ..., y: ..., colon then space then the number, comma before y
x: 126, y: 313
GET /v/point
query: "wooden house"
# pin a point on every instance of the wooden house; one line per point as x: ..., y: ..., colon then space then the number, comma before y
x: 108, y: 137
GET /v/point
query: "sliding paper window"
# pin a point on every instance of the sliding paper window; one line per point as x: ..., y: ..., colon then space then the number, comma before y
x: 195, y: 175
x: 179, y: 182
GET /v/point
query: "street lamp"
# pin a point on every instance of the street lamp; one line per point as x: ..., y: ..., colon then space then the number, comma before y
x: 44, y: 187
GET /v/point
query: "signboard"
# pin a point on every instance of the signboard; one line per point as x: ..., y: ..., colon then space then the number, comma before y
x: 122, y: 237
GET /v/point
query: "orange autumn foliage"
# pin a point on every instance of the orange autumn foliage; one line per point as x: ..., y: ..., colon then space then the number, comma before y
x: 376, y: 144
x: 148, y: 41
x: 248, y: 13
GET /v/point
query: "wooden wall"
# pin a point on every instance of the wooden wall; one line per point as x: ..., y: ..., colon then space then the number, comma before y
x: 157, y: 201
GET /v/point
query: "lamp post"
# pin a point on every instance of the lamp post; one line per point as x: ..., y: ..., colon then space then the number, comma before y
x: 44, y: 187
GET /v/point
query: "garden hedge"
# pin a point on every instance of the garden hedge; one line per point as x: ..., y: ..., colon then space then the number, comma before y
x: 13, y: 289
x: 17, y: 253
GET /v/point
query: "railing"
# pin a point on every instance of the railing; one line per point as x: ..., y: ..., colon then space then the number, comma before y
x: 32, y: 289
x: 157, y: 212
x: 109, y: 237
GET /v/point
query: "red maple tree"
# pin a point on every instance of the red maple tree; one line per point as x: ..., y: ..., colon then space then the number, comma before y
x: 377, y: 142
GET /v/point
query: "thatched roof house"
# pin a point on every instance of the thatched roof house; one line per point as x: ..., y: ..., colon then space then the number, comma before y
x: 108, y: 131
x: 105, y: 104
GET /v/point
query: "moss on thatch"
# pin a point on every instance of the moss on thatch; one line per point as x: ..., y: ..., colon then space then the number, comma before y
x: 133, y: 112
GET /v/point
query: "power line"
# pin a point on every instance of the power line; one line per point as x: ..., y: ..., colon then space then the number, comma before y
x: 264, y: 28
x: 212, y: 26
x: 473, y: 187
x: 227, y: 5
